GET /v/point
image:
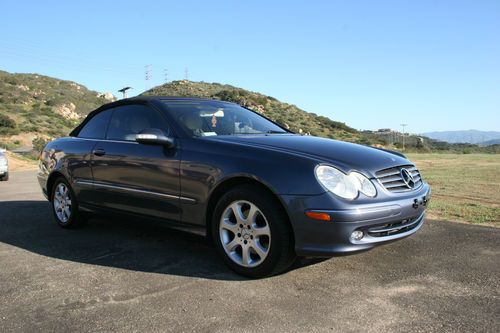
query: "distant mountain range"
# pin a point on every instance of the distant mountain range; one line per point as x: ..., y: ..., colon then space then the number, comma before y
x: 490, y: 142
x: 469, y: 136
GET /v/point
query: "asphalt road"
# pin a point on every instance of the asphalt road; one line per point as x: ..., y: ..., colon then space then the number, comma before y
x: 132, y: 276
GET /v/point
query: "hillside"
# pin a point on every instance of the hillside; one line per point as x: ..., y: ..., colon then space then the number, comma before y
x: 36, y: 106
x: 468, y: 136
x: 300, y: 121
x: 288, y: 115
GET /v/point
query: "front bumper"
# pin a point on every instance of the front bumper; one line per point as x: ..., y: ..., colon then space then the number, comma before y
x: 388, y: 220
x: 4, y: 169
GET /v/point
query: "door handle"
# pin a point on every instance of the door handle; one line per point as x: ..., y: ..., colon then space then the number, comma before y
x: 99, y: 152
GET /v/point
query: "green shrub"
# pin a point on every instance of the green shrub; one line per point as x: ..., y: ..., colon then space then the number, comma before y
x: 6, y: 121
x: 39, y: 143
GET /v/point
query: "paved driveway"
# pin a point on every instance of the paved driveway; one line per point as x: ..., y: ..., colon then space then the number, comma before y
x: 132, y: 276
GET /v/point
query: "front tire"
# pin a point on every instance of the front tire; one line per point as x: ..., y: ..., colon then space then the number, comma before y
x: 252, y: 233
x: 5, y: 177
x: 65, y: 205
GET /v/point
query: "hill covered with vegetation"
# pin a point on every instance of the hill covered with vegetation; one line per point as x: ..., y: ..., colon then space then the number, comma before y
x: 288, y: 115
x: 300, y: 121
x: 37, y: 107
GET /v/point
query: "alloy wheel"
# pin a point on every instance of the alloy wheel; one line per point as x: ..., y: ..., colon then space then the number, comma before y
x: 62, y: 203
x: 245, y: 233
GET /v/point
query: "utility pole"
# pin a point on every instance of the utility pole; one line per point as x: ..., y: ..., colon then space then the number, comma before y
x: 124, y: 91
x: 148, y: 76
x: 186, y: 74
x: 165, y: 74
x: 404, y: 125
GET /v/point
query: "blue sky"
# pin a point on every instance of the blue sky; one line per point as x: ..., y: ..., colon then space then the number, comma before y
x: 434, y: 65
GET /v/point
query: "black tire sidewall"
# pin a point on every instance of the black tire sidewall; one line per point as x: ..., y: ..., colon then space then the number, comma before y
x: 278, y: 224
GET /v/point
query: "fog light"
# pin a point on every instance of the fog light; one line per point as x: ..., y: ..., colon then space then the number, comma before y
x: 357, y: 235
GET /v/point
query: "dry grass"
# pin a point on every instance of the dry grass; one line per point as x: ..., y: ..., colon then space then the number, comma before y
x: 466, y: 187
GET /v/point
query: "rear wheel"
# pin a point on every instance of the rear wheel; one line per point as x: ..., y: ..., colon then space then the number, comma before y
x: 65, y: 205
x: 252, y: 232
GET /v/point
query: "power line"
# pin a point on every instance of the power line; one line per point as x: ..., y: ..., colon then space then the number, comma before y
x: 35, y: 53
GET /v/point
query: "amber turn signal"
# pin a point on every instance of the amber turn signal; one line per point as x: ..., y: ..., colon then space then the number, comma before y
x: 319, y: 216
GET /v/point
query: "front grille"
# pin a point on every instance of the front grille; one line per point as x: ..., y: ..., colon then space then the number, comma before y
x: 394, y: 228
x: 393, y: 181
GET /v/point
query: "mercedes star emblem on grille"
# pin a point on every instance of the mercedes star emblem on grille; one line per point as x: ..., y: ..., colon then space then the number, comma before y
x: 407, y: 178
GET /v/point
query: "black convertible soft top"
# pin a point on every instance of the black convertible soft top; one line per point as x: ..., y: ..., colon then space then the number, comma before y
x: 133, y: 100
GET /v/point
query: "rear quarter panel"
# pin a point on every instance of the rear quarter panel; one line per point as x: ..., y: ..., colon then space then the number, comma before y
x: 69, y: 157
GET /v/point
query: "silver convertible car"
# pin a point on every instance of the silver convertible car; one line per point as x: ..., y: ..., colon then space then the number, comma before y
x: 263, y: 195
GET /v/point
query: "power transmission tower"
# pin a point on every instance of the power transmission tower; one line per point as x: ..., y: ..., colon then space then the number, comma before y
x: 186, y: 74
x: 404, y: 125
x: 148, y: 75
x: 165, y: 74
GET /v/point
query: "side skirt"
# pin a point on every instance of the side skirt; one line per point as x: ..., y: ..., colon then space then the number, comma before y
x: 112, y: 213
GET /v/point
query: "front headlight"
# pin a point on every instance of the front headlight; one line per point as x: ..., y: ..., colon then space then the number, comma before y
x: 345, y: 186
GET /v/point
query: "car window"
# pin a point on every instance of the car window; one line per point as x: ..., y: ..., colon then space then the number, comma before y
x: 95, y: 128
x: 129, y: 120
x: 217, y: 118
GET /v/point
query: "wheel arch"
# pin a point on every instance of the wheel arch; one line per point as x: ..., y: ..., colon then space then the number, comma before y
x: 225, y: 186
x: 51, y: 180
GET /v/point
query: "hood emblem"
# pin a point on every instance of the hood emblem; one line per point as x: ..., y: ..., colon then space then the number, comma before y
x: 407, y: 178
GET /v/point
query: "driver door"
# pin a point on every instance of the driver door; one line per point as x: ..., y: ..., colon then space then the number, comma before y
x: 133, y: 177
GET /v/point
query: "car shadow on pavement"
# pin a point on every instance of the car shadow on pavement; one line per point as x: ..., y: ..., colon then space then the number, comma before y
x: 122, y: 243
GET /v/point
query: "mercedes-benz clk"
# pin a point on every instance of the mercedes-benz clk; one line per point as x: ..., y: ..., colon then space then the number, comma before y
x: 263, y: 195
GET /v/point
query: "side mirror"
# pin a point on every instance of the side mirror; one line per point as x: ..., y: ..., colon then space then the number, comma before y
x: 154, y: 136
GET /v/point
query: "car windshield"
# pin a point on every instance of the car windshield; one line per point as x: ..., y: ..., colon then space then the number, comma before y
x: 207, y: 118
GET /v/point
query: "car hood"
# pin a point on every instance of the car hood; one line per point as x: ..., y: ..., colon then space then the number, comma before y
x: 347, y: 156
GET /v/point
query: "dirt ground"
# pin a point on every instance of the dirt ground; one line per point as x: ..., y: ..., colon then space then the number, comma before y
x: 19, y: 163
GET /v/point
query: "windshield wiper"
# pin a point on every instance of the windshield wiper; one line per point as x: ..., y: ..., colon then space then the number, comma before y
x: 275, y: 132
